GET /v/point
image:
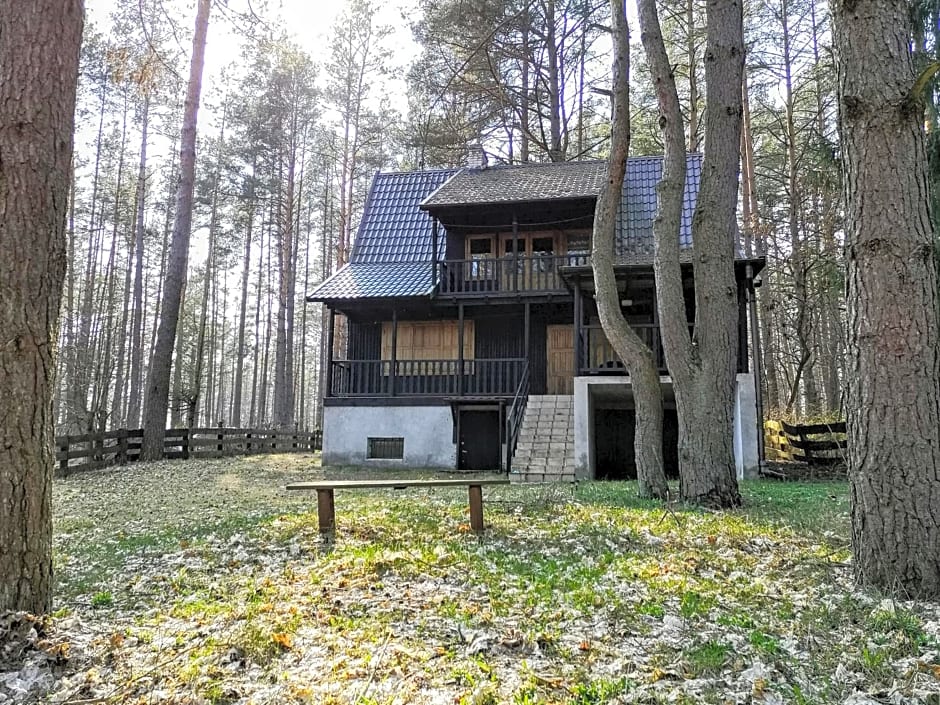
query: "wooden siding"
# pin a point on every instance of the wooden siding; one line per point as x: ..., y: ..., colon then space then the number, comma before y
x: 365, y: 340
x: 500, y: 337
x: 428, y: 340
x: 537, y: 355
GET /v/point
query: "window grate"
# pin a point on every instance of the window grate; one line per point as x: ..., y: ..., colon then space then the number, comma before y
x: 386, y: 449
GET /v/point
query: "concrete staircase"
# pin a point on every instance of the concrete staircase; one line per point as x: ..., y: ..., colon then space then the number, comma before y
x: 545, y: 451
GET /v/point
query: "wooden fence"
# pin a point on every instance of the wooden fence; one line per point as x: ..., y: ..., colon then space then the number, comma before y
x: 816, y: 444
x: 97, y: 450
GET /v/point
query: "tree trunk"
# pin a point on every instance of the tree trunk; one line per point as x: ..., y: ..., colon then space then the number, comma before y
x: 242, y: 315
x: 39, y: 47
x: 284, y: 343
x: 636, y: 356
x: 703, y: 369
x: 893, y: 391
x: 137, y: 342
x: 158, y: 376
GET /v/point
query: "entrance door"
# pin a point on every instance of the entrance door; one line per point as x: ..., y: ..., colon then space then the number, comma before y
x: 560, y: 340
x: 479, y: 440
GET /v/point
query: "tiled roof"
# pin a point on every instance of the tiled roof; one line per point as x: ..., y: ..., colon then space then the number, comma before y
x: 393, y: 228
x: 638, y: 207
x: 395, y: 233
x: 375, y: 280
x: 520, y: 182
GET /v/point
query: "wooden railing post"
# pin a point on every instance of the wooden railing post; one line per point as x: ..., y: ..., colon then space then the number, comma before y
x: 184, y: 443
x: 248, y: 441
x: 64, y: 444
x: 122, y: 447
x: 221, y: 436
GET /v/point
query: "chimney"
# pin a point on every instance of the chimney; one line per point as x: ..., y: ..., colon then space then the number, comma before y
x: 476, y: 156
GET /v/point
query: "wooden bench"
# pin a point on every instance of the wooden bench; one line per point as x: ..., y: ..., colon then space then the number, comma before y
x: 326, y: 514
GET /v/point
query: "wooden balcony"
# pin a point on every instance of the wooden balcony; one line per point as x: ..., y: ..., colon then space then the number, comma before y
x: 506, y: 276
x: 597, y: 355
x: 427, y: 378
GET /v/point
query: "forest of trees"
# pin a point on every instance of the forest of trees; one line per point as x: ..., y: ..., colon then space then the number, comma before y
x: 170, y: 253
x: 287, y: 143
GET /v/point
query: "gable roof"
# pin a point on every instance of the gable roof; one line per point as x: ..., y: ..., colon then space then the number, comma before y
x: 393, y: 228
x: 394, y: 234
x: 520, y: 182
x: 395, y: 231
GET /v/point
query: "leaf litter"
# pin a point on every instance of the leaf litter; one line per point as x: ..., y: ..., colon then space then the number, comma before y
x: 206, y: 583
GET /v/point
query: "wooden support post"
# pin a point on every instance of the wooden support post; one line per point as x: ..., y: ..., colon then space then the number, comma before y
x: 328, y: 381
x: 248, y: 441
x: 460, y: 369
x: 525, y: 333
x: 184, y: 443
x: 434, y: 231
x: 476, y: 508
x: 122, y: 446
x: 220, y: 437
x: 515, y: 252
x: 64, y: 461
x: 326, y: 511
x: 756, y: 366
x: 578, y: 321
x: 393, y: 371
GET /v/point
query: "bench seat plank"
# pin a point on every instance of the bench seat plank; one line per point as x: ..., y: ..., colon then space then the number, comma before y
x: 395, y: 484
x: 326, y: 512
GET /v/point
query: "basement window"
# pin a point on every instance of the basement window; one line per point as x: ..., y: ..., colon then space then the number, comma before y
x: 386, y: 449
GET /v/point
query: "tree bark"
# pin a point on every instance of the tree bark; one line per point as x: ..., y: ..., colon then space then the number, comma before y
x: 137, y: 342
x: 243, y: 312
x: 158, y: 376
x: 636, y: 356
x: 893, y: 391
x: 39, y: 47
x: 702, y: 367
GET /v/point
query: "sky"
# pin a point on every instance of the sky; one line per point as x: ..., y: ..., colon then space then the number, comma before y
x: 308, y: 22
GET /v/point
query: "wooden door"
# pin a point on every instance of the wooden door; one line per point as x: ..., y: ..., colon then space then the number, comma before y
x: 560, y: 344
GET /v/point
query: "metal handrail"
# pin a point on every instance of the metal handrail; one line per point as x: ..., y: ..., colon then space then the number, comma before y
x: 515, y: 415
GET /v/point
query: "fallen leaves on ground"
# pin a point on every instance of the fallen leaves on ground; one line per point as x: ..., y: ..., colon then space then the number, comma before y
x: 204, y: 582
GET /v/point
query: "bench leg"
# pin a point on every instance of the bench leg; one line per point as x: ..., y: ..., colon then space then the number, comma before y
x: 476, y: 508
x: 326, y: 514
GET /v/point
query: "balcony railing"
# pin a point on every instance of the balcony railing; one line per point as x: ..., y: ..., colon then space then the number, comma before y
x: 598, y: 356
x: 498, y: 276
x: 383, y: 378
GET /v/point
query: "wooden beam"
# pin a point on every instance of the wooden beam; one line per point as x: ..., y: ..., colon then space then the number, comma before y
x: 393, y: 371
x: 577, y: 327
x: 476, y: 508
x: 326, y: 511
x: 328, y: 380
x: 434, y: 227
x: 460, y: 369
x: 526, y: 325
x: 515, y: 251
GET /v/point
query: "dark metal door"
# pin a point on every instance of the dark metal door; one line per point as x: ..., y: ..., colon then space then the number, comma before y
x: 479, y: 440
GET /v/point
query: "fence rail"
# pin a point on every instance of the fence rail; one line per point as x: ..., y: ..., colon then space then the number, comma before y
x: 816, y: 444
x: 99, y: 450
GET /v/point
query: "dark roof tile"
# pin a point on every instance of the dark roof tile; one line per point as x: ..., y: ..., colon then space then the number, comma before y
x: 378, y: 280
x: 520, y: 182
x: 393, y: 228
x: 395, y: 232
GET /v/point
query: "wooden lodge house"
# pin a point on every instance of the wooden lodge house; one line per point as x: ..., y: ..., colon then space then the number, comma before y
x: 472, y: 339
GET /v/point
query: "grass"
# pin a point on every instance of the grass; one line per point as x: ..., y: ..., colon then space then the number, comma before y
x: 576, y: 594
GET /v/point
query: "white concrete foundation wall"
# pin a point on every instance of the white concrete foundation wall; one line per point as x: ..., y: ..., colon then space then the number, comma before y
x: 585, y: 396
x: 746, y: 460
x: 428, y: 432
